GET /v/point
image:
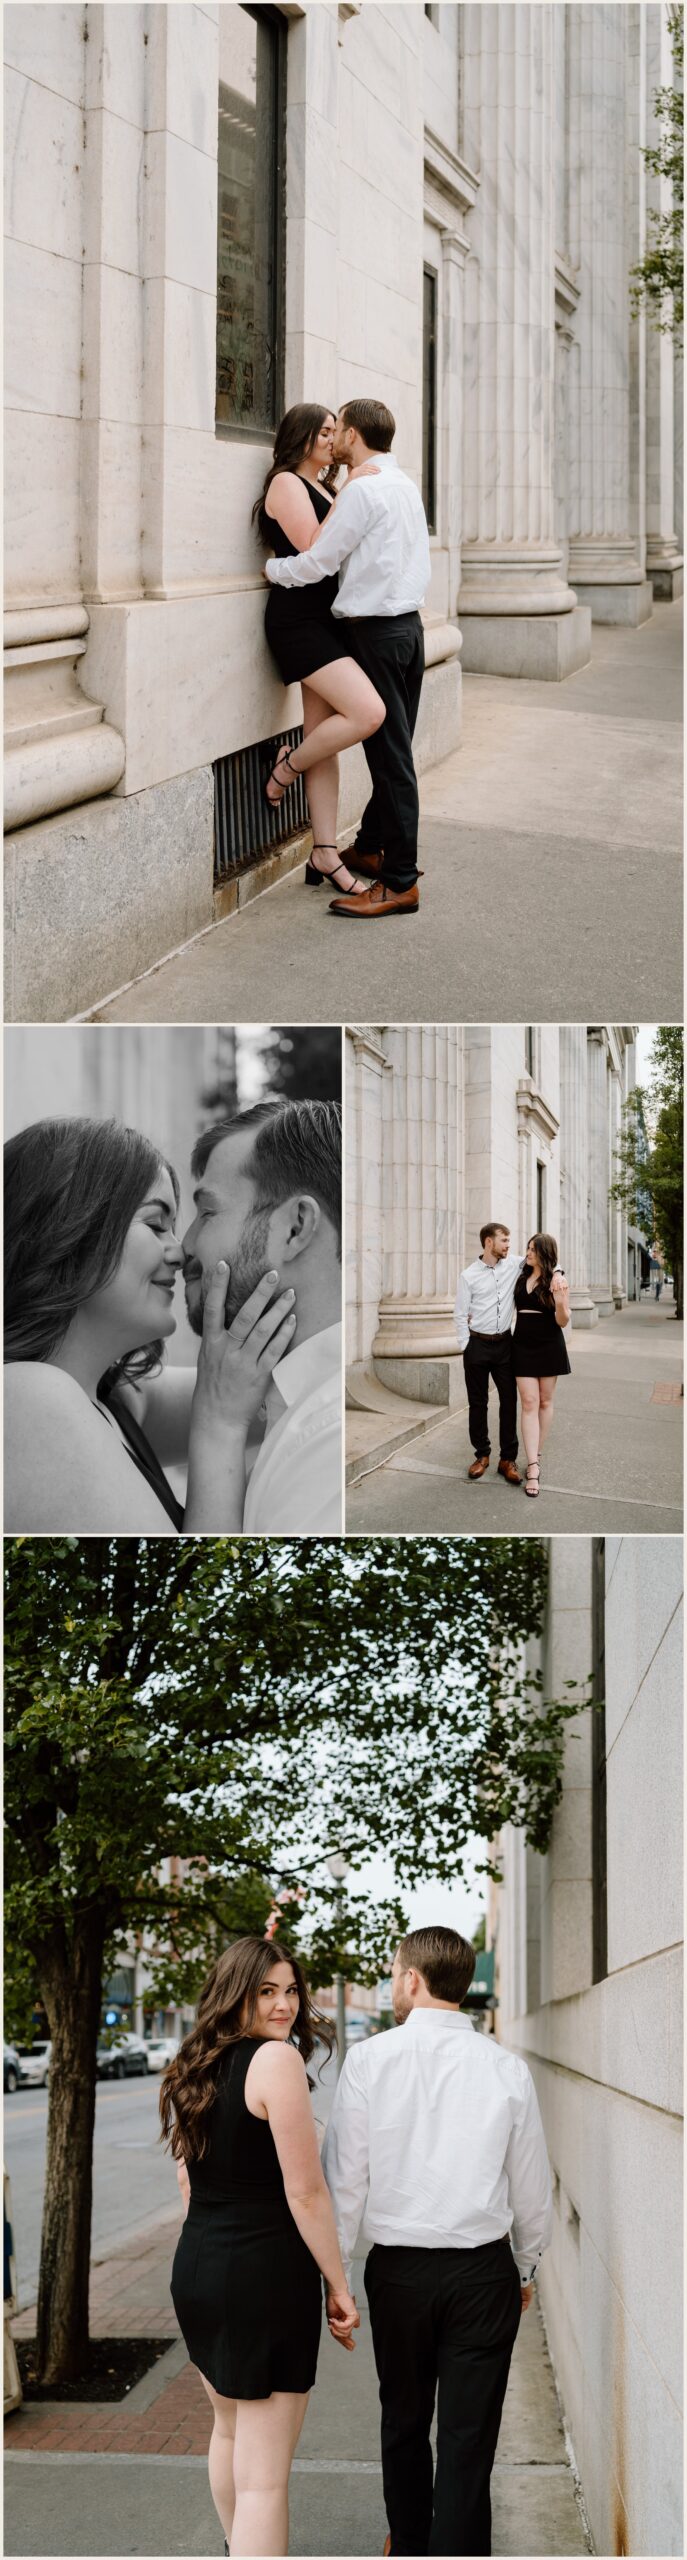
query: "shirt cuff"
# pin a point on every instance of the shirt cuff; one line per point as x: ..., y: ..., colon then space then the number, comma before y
x: 272, y: 572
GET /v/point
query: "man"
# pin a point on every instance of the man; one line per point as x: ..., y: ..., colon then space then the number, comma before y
x: 268, y: 1193
x: 435, y: 2136
x: 379, y: 541
x: 484, y: 1316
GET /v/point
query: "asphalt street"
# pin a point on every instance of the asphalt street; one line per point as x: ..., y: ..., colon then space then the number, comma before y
x: 551, y: 844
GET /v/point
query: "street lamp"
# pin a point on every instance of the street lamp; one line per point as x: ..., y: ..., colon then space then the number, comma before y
x: 339, y: 1870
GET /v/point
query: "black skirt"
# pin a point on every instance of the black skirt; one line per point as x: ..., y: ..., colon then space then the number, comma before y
x: 539, y: 1347
x: 303, y: 635
x: 248, y: 2297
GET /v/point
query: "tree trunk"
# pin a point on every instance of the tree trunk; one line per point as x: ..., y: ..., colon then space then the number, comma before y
x: 70, y: 1979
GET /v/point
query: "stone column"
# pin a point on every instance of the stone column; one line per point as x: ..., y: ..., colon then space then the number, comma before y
x: 599, y: 1171
x: 415, y: 1349
x: 618, y: 1221
x: 454, y: 251
x: 604, y: 562
x: 575, y: 1171
x: 663, y: 555
x: 366, y: 1067
x: 519, y: 615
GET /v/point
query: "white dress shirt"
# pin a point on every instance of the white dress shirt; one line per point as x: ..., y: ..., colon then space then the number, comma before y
x: 378, y: 537
x: 295, y: 1486
x: 485, y: 1296
x: 436, y: 2140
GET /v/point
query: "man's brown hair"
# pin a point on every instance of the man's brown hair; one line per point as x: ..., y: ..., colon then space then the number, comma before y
x: 445, y: 1960
x: 496, y: 1227
x: 371, y: 421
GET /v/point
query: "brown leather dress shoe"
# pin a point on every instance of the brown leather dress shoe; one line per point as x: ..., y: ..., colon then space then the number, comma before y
x: 479, y: 1468
x: 376, y: 901
x: 387, y: 2547
x: 369, y: 863
x: 506, y: 1467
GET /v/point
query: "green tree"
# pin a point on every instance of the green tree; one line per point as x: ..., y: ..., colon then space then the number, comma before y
x: 650, y: 1151
x: 657, y: 283
x: 242, y: 1707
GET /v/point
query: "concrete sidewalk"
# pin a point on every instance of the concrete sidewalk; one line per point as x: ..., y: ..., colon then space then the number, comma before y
x: 552, y: 850
x: 612, y: 1462
x: 133, y: 2478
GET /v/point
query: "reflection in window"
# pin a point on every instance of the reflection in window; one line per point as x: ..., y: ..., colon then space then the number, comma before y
x: 429, y: 397
x: 249, y: 218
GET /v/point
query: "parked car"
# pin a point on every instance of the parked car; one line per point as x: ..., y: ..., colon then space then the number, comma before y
x: 34, y: 2063
x: 117, y: 2061
x: 161, y: 2050
x: 11, y: 2067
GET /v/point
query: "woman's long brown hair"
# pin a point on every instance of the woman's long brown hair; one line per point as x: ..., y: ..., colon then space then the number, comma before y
x: 226, y: 2010
x: 293, y: 442
x: 546, y: 1250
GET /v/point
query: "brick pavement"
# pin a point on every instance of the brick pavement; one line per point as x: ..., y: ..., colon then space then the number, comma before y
x: 129, y: 2298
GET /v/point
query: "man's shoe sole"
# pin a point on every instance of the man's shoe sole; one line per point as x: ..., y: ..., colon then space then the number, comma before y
x: 372, y: 914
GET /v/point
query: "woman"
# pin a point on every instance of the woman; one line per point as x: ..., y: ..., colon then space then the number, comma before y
x: 542, y: 1304
x: 259, y: 2230
x: 91, y: 1266
x: 340, y: 706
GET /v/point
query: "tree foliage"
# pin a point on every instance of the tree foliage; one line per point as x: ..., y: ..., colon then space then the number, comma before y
x: 650, y: 1151
x: 657, y: 283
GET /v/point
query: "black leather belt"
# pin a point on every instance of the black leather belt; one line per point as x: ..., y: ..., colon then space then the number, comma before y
x: 488, y: 1337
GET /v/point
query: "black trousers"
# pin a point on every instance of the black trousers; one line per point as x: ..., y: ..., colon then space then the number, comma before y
x: 443, y: 2320
x: 484, y: 1360
x: 391, y: 651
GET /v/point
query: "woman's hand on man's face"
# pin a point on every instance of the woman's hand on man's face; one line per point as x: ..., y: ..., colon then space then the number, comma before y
x: 236, y: 1361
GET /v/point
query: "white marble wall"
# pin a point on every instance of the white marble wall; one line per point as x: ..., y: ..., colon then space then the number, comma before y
x: 607, y: 2056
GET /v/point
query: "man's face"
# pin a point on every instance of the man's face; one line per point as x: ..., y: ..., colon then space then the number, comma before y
x: 226, y: 1228
x: 500, y: 1244
x: 400, y: 1999
x: 343, y: 440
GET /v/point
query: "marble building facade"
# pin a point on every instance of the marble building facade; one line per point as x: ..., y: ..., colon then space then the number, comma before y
x: 459, y: 196
x: 588, y: 1942
x: 448, y: 1125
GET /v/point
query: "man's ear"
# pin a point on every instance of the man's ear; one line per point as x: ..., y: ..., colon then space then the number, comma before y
x: 303, y: 1219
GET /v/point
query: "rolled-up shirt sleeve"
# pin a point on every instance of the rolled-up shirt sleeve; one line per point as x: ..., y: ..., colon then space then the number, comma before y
x: 529, y: 2182
x: 349, y: 520
x: 462, y: 1310
x: 346, y: 2158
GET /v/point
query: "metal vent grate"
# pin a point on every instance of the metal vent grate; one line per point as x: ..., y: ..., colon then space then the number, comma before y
x: 245, y: 824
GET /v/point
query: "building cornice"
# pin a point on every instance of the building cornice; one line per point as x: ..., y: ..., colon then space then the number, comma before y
x: 532, y: 1107
x: 449, y: 177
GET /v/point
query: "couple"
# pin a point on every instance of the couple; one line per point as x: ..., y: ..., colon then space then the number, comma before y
x: 435, y: 2141
x: 531, y: 1358
x: 353, y: 640
x: 92, y: 1422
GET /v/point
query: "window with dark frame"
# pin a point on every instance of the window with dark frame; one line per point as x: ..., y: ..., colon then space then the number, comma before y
x: 599, y: 1838
x: 529, y: 1048
x: 250, y: 229
x: 430, y: 297
x: 541, y: 1199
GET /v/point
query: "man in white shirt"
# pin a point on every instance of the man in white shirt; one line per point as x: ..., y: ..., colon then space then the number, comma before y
x: 268, y: 1191
x: 484, y: 1318
x: 378, y: 539
x: 435, y: 2140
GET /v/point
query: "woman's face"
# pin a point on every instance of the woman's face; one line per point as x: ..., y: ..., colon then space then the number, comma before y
x: 276, y: 2007
x: 532, y: 1257
x: 136, y: 1305
x: 323, y: 446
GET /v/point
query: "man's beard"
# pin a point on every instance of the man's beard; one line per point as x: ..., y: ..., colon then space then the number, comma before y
x: 401, y: 2007
x: 248, y: 1266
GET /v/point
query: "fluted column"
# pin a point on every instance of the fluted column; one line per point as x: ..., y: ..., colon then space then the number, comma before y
x: 574, y: 1244
x: 599, y: 1172
x: 605, y: 560
x: 663, y: 555
x: 516, y: 608
x: 415, y: 1349
x: 618, y: 1224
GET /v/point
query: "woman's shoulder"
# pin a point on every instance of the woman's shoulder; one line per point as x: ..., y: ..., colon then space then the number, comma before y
x: 33, y: 1387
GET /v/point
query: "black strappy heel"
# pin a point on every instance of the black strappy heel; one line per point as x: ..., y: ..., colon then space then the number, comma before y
x: 314, y: 876
x: 293, y: 775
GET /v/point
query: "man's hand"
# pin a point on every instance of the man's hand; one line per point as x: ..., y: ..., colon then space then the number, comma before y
x: 342, y: 2316
x: 236, y: 1364
x: 527, y: 2291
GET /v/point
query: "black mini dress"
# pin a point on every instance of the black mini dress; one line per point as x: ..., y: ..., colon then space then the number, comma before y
x: 539, y: 1344
x: 299, y: 623
x: 246, y: 2291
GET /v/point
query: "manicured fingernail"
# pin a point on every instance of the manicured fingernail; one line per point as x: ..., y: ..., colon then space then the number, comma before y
x: 272, y: 1275
x: 222, y: 1266
x: 290, y: 1293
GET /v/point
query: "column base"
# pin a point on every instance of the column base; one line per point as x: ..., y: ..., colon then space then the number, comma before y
x: 603, y: 1301
x: 424, y: 1380
x: 543, y: 646
x: 667, y: 580
x: 583, y: 1312
x: 616, y: 600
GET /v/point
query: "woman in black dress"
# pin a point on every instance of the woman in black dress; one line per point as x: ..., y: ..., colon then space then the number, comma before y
x: 340, y: 706
x: 542, y: 1306
x: 259, y: 2232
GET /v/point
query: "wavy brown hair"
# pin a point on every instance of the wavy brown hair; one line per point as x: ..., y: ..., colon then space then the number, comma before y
x: 546, y: 1250
x: 72, y: 1188
x: 226, y: 2011
x: 293, y: 442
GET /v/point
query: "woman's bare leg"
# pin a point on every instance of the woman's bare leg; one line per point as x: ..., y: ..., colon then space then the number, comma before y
x: 221, y: 2458
x: 353, y: 712
x: 267, y: 2433
x: 528, y: 1391
x: 547, y: 1390
x: 322, y: 780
